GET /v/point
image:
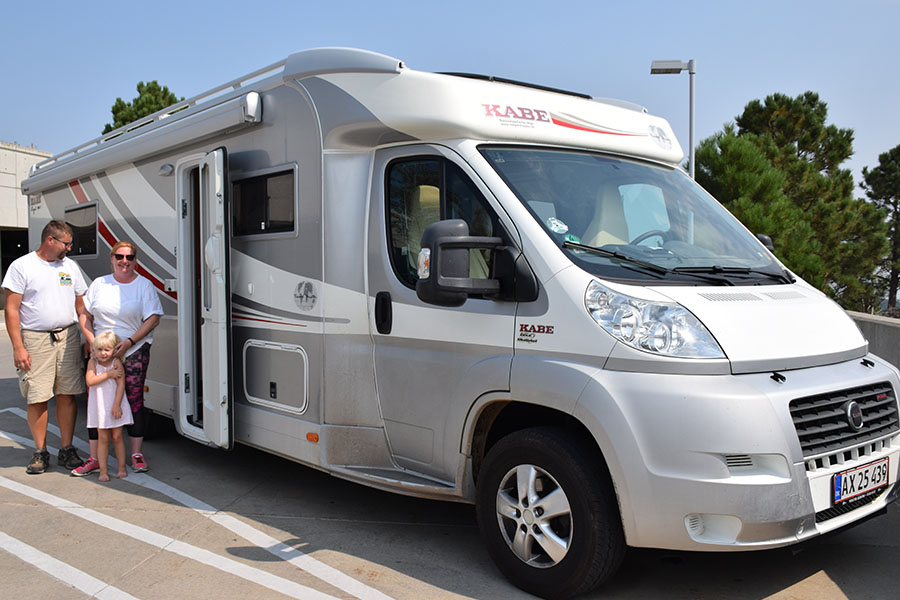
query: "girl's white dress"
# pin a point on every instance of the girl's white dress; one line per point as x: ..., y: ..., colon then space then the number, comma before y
x: 100, y: 402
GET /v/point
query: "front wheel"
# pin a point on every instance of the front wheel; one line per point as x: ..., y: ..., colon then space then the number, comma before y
x: 548, y: 513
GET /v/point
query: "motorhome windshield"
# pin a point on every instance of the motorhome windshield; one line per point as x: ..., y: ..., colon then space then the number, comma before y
x: 625, y: 219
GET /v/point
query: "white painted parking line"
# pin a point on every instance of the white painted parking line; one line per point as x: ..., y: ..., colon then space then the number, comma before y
x: 164, y: 542
x: 66, y: 573
x: 326, y: 573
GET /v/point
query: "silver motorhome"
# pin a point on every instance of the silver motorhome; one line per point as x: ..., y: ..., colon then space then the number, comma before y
x: 470, y: 289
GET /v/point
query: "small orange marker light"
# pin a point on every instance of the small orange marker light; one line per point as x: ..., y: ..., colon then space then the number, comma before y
x: 312, y: 437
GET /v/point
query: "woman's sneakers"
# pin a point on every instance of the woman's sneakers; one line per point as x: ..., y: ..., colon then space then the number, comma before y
x: 89, y: 466
x: 138, y: 464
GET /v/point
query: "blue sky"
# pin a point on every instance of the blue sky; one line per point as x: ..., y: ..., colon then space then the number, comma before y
x: 70, y: 60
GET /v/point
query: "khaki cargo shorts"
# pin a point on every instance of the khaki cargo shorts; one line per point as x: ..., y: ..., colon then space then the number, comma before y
x: 56, y: 367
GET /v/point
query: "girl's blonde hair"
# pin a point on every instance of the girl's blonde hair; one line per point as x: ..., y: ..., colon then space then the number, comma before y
x: 105, y: 339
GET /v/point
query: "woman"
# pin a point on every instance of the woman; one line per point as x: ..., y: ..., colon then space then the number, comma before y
x: 127, y: 304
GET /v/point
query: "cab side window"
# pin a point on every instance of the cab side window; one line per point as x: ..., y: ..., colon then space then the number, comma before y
x: 422, y: 191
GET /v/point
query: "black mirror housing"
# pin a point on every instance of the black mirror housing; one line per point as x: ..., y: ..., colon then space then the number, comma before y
x: 446, y: 245
x: 766, y: 241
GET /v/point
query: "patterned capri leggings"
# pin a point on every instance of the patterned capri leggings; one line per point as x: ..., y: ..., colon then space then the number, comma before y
x: 135, y: 375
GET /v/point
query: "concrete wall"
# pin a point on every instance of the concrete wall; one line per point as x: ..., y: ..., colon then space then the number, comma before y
x: 883, y: 334
x: 15, y: 161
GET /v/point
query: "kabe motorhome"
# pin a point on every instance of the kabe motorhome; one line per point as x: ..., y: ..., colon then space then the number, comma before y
x: 470, y: 289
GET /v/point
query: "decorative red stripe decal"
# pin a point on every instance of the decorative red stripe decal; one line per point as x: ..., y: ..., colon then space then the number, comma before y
x: 588, y: 129
x: 110, y: 239
x: 79, y: 194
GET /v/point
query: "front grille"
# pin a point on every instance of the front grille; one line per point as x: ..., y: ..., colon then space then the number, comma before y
x: 822, y: 425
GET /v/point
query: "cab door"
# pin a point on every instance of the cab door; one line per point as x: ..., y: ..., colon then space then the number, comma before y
x: 204, y: 410
x: 431, y: 363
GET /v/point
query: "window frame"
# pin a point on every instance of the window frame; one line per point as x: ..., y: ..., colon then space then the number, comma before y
x: 443, y: 160
x: 238, y: 177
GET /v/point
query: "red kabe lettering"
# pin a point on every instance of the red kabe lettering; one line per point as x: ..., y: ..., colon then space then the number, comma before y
x: 510, y: 112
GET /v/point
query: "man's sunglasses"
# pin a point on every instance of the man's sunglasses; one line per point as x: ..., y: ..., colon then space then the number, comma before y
x: 128, y: 257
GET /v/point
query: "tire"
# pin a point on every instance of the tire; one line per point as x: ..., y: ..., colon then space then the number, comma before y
x: 574, y: 549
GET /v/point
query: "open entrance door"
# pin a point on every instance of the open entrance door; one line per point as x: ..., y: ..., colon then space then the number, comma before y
x: 204, y: 410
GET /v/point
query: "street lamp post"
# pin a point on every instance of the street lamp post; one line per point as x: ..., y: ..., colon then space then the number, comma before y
x: 664, y: 67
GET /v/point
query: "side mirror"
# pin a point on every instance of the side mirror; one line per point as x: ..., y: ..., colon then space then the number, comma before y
x: 444, y: 264
x: 766, y: 241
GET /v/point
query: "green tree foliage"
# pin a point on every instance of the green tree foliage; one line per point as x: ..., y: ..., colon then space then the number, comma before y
x: 882, y: 186
x: 780, y: 173
x: 734, y: 170
x: 150, y: 99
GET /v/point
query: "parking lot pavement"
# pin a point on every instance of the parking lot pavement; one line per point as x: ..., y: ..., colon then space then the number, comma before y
x: 205, y: 523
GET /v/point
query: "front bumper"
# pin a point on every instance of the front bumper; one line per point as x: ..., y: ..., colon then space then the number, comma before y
x: 714, y: 462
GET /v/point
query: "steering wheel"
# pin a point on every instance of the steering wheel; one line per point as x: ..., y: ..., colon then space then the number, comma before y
x: 648, y: 234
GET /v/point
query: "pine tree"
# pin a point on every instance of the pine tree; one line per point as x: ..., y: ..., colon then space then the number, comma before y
x: 882, y: 186
x: 150, y: 99
x: 828, y: 237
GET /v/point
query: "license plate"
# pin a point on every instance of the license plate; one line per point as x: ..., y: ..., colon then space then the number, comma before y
x: 856, y: 482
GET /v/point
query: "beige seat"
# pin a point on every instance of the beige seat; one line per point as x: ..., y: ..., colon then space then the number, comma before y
x: 424, y: 209
x: 608, y: 225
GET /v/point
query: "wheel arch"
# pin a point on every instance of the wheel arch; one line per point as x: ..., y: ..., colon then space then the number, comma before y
x: 501, y: 417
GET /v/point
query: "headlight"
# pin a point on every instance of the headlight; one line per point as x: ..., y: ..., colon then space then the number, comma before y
x: 665, y: 328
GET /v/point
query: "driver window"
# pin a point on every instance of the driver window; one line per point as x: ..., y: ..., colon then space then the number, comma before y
x: 423, y: 191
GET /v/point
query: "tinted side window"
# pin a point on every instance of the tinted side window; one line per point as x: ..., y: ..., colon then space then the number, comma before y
x: 263, y: 204
x: 83, y: 221
x: 423, y: 191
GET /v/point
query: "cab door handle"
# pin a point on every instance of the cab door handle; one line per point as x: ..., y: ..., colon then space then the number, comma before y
x: 383, y: 312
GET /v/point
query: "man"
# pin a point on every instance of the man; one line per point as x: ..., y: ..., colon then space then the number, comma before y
x: 44, y: 296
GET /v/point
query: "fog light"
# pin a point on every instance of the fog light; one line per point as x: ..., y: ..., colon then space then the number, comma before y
x: 713, y: 529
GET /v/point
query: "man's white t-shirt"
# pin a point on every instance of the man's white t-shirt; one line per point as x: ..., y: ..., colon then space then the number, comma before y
x: 122, y: 307
x: 48, y: 291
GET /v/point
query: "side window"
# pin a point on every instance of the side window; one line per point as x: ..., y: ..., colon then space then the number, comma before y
x: 423, y: 191
x: 264, y: 203
x: 83, y: 221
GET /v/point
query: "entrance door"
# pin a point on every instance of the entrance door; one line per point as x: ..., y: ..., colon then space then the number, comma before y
x: 431, y: 363
x: 205, y: 405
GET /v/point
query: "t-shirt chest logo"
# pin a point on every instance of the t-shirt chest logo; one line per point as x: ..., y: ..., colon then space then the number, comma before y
x: 65, y: 279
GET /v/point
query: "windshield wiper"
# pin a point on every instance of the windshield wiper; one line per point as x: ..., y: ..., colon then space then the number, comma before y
x: 716, y: 269
x: 660, y: 270
x: 620, y: 255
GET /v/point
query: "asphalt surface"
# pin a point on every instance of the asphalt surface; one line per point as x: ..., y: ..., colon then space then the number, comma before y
x: 205, y: 523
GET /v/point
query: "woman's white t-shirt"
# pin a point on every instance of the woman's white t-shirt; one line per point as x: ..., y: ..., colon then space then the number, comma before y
x: 122, y: 307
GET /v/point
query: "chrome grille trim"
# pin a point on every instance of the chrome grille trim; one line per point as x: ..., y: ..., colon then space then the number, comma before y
x: 849, y: 456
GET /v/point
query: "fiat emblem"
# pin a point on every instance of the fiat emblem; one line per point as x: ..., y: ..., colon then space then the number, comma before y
x: 853, y: 412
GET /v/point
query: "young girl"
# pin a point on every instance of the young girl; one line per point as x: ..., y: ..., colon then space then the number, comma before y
x: 106, y: 387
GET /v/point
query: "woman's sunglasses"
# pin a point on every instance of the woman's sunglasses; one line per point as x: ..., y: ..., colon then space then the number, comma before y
x: 128, y: 257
